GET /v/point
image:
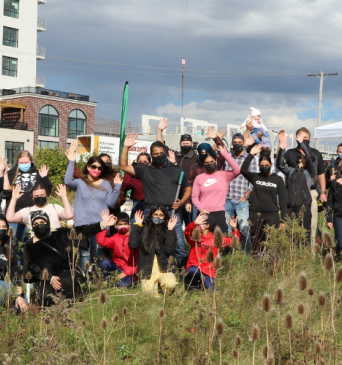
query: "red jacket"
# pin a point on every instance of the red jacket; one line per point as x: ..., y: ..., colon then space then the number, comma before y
x: 134, y: 184
x: 123, y: 256
x: 203, y: 247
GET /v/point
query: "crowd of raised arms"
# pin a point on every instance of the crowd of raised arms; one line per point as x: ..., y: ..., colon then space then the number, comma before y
x: 238, y: 192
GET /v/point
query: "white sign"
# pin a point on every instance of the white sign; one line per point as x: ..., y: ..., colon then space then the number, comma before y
x: 110, y: 146
x: 141, y: 146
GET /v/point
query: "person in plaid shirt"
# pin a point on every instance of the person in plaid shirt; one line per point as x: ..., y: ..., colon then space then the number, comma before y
x: 239, y: 192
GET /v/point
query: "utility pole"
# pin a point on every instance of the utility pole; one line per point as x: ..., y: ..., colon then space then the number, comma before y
x: 321, y: 76
x: 183, y: 66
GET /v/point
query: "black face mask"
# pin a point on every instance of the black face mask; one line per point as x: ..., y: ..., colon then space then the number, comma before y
x: 159, y: 160
x: 265, y: 152
x: 109, y: 164
x: 157, y: 221
x: 202, y: 157
x: 265, y: 170
x: 186, y: 149
x: 41, y: 231
x: 40, y: 201
x: 3, y: 233
x: 210, y: 167
x: 142, y: 164
x: 307, y: 142
x: 237, y: 147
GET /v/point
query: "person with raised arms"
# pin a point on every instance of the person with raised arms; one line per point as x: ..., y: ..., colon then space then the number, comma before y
x: 160, y: 182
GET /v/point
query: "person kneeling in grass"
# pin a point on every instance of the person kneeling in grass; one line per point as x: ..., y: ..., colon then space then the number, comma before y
x: 156, y: 241
x: 199, y: 270
x: 124, y: 260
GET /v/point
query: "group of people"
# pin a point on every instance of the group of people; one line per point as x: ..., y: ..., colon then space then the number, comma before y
x: 237, y: 192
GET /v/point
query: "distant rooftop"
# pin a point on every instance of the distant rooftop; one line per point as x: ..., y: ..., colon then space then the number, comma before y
x: 43, y: 91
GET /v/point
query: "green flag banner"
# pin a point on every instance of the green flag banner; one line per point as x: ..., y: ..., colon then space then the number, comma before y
x: 123, y: 116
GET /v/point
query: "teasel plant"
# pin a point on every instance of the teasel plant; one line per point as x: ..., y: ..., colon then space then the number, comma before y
x: 289, y: 325
x: 10, y: 234
x: 161, y: 315
x: 72, y: 237
x: 45, y: 276
x: 303, y: 285
x: 278, y: 299
x: 124, y: 312
x: 255, y: 335
x: 266, y: 307
x: 87, y: 267
x: 104, y: 327
x: 329, y: 266
x: 238, y: 343
x: 317, y: 350
x: 321, y: 303
x: 220, y: 332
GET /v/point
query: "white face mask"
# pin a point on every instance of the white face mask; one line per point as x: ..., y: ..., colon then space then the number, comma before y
x: 340, y: 156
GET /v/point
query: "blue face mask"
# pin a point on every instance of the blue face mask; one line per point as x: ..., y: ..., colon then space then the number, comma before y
x: 24, y: 167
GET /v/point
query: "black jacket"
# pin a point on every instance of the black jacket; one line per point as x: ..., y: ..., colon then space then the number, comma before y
x: 27, y: 180
x: 145, y: 262
x: 328, y: 173
x: 334, y: 204
x: 15, y: 274
x: 299, y: 180
x: 51, y: 254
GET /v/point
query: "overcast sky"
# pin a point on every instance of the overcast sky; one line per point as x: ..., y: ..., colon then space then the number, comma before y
x: 261, y: 53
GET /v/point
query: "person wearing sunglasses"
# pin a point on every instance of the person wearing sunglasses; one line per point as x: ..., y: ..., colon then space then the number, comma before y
x: 96, y: 190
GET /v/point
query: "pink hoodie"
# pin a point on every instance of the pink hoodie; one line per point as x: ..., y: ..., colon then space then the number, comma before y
x: 210, y: 190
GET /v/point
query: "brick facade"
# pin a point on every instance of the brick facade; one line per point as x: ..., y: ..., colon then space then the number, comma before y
x: 63, y: 106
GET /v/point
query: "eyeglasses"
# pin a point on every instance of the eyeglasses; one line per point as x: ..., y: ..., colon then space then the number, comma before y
x: 94, y: 167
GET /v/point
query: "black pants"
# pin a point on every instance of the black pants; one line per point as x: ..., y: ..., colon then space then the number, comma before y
x: 258, y: 226
x: 220, y: 219
x: 306, y: 220
x: 66, y: 282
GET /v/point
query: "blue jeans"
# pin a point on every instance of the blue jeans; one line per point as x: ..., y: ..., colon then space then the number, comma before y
x: 242, y: 212
x: 109, y: 266
x: 255, y: 131
x: 193, y: 278
x: 137, y: 205
x: 194, y: 212
x: 85, y: 254
x: 5, y: 289
x: 181, y: 253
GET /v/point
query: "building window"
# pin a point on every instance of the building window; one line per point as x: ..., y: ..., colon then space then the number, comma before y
x: 11, y: 8
x: 50, y: 145
x: 9, y: 66
x: 12, y: 150
x: 48, y: 121
x: 10, y: 37
x: 77, y: 124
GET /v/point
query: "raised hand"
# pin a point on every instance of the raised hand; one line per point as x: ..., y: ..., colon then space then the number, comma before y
x: 172, y: 222
x: 221, y: 132
x: 221, y: 148
x: 43, y: 171
x: 172, y: 157
x: 107, y: 219
x: 130, y: 140
x: 255, y: 150
x: 61, y: 190
x: 249, y: 124
x: 232, y: 222
x: 2, y: 164
x: 70, y: 154
x: 73, y: 146
x: 211, y: 132
x: 249, y: 141
x: 162, y: 124
x: 139, y: 217
x: 201, y: 219
x: 16, y: 192
x: 118, y: 179
x: 300, y: 138
x: 282, y: 137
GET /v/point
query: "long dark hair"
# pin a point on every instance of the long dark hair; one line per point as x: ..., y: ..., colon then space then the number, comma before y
x: 5, y: 243
x: 265, y: 158
x: 148, y: 232
x: 106, y: 174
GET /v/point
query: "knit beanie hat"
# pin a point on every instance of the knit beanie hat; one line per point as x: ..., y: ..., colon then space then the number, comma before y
x: 254, y: 112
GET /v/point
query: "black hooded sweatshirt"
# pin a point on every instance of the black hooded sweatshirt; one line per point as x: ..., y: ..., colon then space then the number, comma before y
x: 26, y: 180
x: 52, y: 253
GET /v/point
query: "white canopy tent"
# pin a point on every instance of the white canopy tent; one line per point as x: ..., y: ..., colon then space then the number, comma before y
x: 333, y: 130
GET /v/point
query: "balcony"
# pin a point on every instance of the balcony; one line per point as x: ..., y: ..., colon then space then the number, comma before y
x: 42, y: 91
x: 41, y: 2
x: 41, y: 52
x: 13, y: 125
x: 41, y: 25
x: 40, y: 80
